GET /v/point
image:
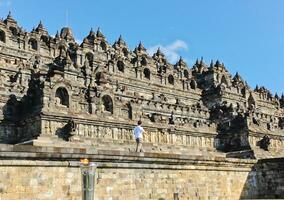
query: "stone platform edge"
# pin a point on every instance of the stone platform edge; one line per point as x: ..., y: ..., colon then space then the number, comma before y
x: 27, y: 155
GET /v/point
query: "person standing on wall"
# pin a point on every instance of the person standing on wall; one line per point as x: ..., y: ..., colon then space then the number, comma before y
x: 138, y: 134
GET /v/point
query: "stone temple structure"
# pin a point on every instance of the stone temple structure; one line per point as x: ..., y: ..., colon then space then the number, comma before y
x: 57, y: 94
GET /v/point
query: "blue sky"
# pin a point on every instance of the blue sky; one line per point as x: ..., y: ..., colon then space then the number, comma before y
x: 247, y: 35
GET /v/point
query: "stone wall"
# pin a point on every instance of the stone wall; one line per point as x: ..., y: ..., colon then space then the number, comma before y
x: 85, y: 130
x: 48, y: 173
x: 54, y: 173
x: 192, y: 183
x: 37, y: 180
x: 56, y: 180
x: 267, y: 177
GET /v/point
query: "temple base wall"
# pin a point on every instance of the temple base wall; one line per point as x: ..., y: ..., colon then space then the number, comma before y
x: 43, y: 181
x: 54, y: 173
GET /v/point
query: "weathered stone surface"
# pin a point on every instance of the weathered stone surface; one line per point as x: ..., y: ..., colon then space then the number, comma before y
x: 266, y: 180
x: 53, y: 89
x: 120, y: 175
x: 66, y: 101
x: 127, y: 175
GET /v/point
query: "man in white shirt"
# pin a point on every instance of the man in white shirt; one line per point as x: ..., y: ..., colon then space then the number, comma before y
x: 138, y: 134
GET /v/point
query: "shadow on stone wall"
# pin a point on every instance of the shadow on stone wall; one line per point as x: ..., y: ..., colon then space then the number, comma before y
x: 265, y: 181
x: 9, y: 132
x: 232, y: 129
x: 67, y: 131
x: 19, y: 114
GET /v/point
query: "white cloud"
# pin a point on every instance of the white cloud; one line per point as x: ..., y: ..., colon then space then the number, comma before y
x: 171, y: 50
x: 78, y: 41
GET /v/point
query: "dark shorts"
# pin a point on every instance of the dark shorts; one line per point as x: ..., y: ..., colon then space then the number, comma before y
x: 138, y: 140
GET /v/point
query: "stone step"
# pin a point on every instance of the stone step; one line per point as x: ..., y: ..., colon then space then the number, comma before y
x: 129, y: 146
x: 271, y: 153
